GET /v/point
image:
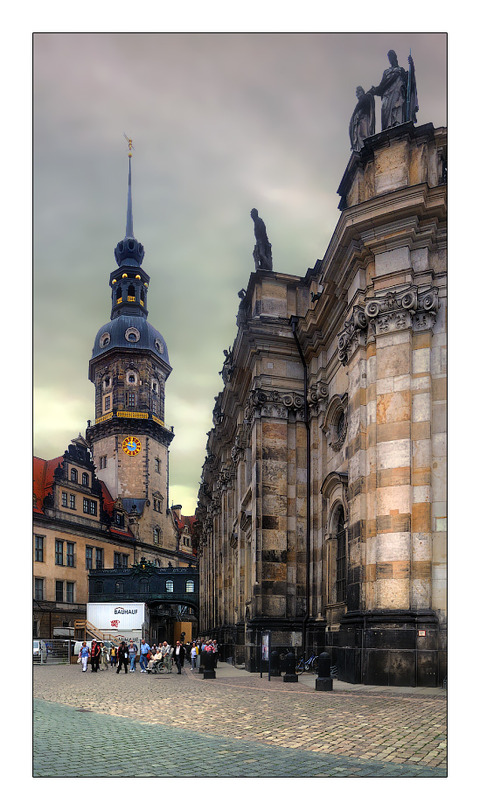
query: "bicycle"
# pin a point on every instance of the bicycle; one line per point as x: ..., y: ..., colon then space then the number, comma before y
x: 306, y: 664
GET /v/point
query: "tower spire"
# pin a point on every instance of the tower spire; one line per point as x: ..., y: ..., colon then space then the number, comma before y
x: 129, y: 251
x: 129, y: 229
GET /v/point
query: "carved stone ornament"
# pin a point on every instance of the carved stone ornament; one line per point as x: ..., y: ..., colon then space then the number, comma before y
x: 408, y: 308
x: 273, y: 404
x: 353, y: 335
x: 317, y: 398
x: 240, y: 444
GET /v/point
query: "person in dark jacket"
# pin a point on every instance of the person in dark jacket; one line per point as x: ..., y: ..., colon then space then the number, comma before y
x: 179, y: 656
x: 95, y: 655
x: 122, y: 656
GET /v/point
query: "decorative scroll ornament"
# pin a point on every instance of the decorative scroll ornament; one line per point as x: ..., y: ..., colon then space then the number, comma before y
x: 353, y: 335
x: 317, y: 398
x: 394, y: 310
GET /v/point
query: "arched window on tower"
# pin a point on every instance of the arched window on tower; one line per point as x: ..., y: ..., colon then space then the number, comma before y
x: 131, y: 293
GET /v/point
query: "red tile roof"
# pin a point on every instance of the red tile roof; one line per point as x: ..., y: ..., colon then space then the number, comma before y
x: 43, y: 478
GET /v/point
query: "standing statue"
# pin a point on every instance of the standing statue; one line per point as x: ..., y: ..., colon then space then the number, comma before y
x: 362, y: 122
x: 262, y: 252
x: 398, y: 91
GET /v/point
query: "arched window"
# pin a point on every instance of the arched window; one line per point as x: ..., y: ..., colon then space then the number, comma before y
x: 341, y: 577
x: 189, y: 586
x: 169, y: 586
x: 98, y: 586
x: 118, y: 587
x: 74, y: 476
x: 144, y: 586
x: 85, y: 479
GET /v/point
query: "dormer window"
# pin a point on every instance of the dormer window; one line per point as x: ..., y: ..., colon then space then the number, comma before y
x: 74, y: 476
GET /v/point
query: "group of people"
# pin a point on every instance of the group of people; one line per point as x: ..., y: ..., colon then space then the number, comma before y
x: 151, y: 658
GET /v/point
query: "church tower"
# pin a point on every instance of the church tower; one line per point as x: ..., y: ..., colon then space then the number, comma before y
x: 129, y: 367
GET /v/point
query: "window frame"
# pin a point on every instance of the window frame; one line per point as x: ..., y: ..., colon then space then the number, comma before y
x: 39, y: 547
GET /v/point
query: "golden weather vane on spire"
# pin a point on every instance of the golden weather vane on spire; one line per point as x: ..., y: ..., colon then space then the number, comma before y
x: 130, y: 145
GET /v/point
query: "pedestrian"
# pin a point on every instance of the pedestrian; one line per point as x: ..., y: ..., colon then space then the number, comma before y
x: 166, y: 651
x: 84, y: 653
x: 95, y: 655
x: 132, y: 654
x: 179, y: 656
x: 144, y: 650
x: 113, y: 655
x: 104, y: 656
x: 122, y: 656
x: 193, y: 657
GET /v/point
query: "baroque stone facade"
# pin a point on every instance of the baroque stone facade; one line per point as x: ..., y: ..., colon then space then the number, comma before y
x: 323, y: 495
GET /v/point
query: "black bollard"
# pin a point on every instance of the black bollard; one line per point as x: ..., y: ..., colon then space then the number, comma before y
x: 323, y: 682
x: 290, y: 674
x: 274, y: 664
x: 209, y: 665
x: 201, y: 665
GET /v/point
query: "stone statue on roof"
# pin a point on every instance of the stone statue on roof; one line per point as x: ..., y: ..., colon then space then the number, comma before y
x: 262, y: 252
x: 362, y: 122
x: 398, y: 92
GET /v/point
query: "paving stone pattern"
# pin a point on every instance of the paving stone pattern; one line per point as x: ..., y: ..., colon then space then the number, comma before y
x: 238, y: 725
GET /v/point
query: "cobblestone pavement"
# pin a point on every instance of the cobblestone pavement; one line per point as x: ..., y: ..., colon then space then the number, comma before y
x: 238, y: 725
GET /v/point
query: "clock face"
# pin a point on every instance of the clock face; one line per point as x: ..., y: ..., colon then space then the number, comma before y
x: 131, y: 446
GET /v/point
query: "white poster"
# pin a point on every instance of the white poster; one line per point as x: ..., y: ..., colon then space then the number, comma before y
x: 116, y: 618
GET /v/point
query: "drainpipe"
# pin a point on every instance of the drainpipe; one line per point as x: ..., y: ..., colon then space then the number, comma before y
x: 294, y: 321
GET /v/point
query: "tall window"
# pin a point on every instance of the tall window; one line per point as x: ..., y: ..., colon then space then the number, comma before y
x: 120, y: 560
x: 71, y: 555
x: 74, y: 475
x: 58, y: 590
x: 99, y: 558
x: 64, y: 499
x: 130, y: 399
x: 88, y: 558
x: 341, y: 581
x: 72, y: 502
x: 189, y: 586
x: 70, y: 592
x: 157, y: 465
x: 85, y: 479
x: 169, y: 586
x: 58, y: 552
x: 39, y: 548
x: 103, y: 462
x: 38, y: 589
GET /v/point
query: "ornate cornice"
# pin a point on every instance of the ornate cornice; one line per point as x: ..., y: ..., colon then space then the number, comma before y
x: 391, y: 311
x: 273, y: 404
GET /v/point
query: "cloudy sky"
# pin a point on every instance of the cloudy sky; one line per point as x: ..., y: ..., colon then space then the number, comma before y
x: 220, y: 123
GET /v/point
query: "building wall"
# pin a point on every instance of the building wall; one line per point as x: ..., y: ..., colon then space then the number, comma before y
x: 327, y: 525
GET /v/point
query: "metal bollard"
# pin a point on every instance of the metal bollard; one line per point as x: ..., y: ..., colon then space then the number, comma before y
x: 323, y: 682
x: 274, y: 664
x: 209, y: 666
x: 290, y: 674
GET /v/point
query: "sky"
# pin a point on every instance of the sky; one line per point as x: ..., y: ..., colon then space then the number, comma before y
x: 220, y: 123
